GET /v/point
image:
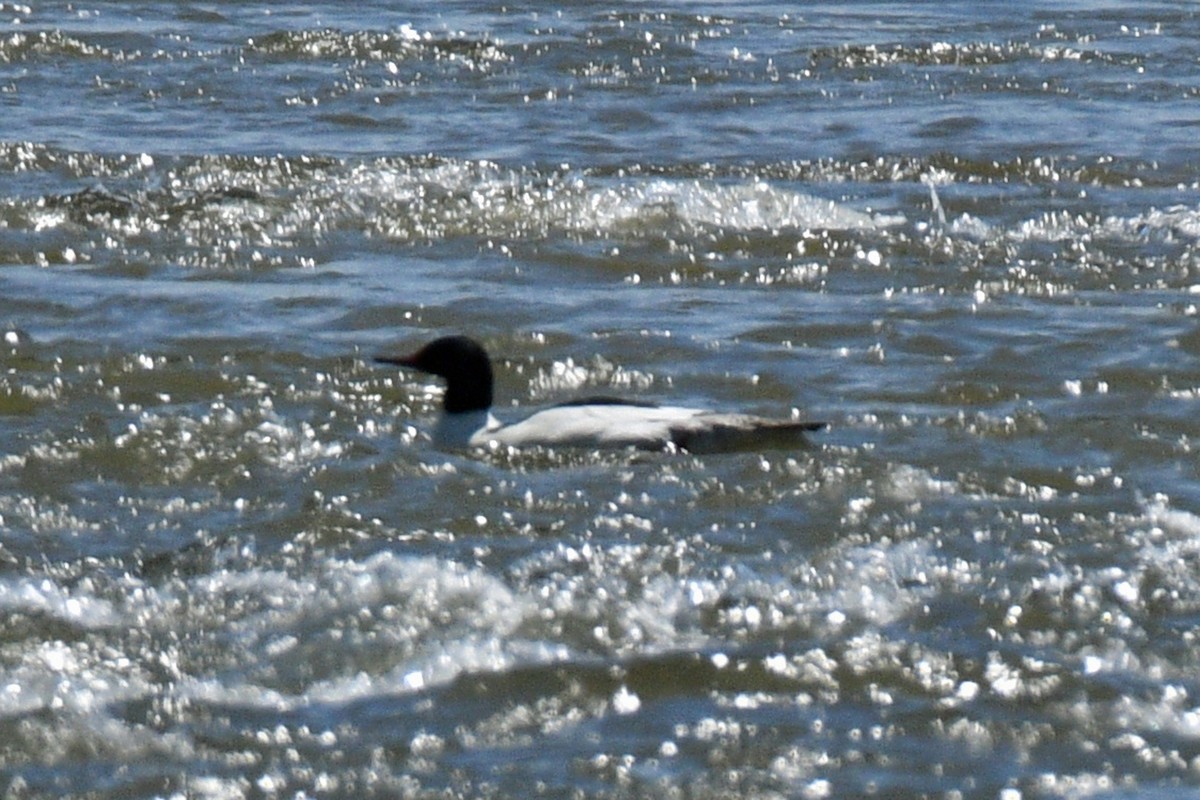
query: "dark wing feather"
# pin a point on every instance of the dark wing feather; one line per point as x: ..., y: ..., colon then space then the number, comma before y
x: 723, y: 432
x: 600, y: 400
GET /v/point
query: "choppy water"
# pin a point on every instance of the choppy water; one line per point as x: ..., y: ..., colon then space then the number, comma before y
x: 231, y: 564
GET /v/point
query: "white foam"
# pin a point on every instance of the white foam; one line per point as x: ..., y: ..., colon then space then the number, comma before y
x: 745, y: 206
x: 1179, y: 523
x: 45, y: 597
x: 504, y: 202
x: 431, y: 620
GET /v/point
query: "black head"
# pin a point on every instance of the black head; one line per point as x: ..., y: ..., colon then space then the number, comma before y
x: 462, y: 362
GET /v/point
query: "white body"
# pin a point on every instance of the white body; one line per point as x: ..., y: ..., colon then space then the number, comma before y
x: 612, y: 425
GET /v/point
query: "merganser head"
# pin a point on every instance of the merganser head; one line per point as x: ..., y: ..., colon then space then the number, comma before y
x: 462, y: 362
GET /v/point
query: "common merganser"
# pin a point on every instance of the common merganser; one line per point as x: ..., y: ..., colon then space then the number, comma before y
x: 602, y: 422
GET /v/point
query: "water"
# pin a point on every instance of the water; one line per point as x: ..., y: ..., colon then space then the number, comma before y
x: 232, y: 565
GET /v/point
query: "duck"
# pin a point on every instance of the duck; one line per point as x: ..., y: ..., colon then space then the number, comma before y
x: 466, y: 420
